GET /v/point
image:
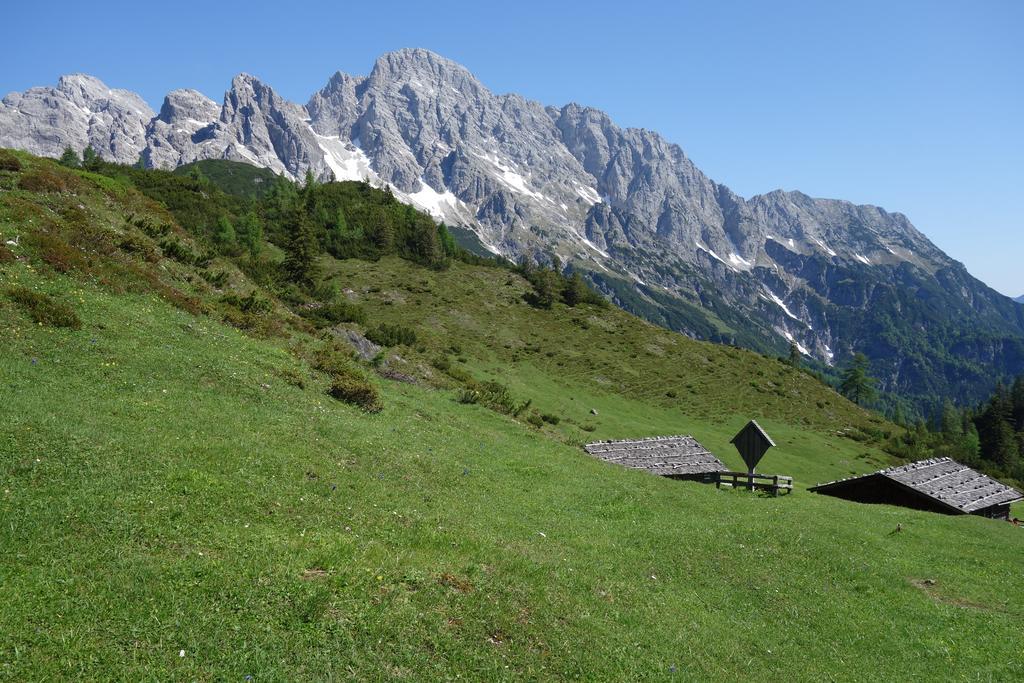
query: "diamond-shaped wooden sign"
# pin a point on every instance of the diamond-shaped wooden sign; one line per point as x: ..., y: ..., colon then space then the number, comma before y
x: 752, y: 442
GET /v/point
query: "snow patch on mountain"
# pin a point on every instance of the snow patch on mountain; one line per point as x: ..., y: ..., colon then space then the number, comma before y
x: 740, y: 262
x: 589, y: 194
x: 508, y: 176
x: 347, y: 161
x: 780, y: 303
x: 443, y: 205
x: 824, y: 246
x: 799, y: 347
x: 709, y: 251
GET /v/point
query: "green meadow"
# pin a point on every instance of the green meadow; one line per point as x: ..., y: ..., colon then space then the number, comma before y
x: 182, y: 499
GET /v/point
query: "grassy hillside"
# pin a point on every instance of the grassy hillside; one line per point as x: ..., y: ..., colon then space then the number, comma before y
x: 180, y: 498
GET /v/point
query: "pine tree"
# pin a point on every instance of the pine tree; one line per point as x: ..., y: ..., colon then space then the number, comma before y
x: 998, y: 443
x: 195, y: 173
x: 91, y: 161
x: 545, y: 287
x: 250, y: 233
x: 856, y: 382
x: 309, y: 193
x: 300, y: 263
x: 447, y: 241
x: 225, y: 237
x: 952, y: 425
x: 70, y: 158
x: 795, y: 359
x: 898, y: 416
x: 1017, y: 404
x: 575, y: 291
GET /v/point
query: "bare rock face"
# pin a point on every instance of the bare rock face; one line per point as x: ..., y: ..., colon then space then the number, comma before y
x: 254, y: 125
x: 80, y: 111
x: 259, y: 127
x: 172, y: 137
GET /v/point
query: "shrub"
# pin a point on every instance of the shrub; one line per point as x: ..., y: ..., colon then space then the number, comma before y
x: 535, y: 419
x: 218, y: 279
x: 468, y: 396
x: 44, y: 309
x: 154, y: 231
x: 178, y: 251
x: 550, y: 419
x: 357, y: 390
x: 57, y: 253
x: 460, y: 375
x: 250, y: 303
x: 292, y: 377
x: 45, y: 180
x: 261, y: 270
x: 391, y: 335
x: 6, y: 255
x: 497, y: 397
x: 348, y: 383
x: 9, y: 162
x: 336, y: 312
x: 133, y: 245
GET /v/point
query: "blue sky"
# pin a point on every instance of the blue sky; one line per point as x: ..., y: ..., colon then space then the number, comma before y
x: 914, y: 106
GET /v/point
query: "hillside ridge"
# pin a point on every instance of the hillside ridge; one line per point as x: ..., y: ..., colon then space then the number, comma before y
x: 624, y: 206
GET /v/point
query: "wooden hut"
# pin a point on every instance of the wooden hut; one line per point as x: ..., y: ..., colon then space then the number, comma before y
x: 675, y: 457
x: 938, y: 485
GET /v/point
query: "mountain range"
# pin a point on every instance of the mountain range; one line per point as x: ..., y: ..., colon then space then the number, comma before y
x: 622, y: 205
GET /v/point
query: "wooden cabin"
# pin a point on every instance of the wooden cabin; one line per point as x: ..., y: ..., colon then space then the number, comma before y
x: 937, y: 485
x: 675, y: 457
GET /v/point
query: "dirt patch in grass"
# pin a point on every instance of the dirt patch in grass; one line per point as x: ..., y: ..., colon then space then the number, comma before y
x: 454, y: 582
x: 313, y: 574
x: 930, y: 587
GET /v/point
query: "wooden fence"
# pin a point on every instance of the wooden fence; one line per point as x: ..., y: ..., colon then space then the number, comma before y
x: 775, y: 483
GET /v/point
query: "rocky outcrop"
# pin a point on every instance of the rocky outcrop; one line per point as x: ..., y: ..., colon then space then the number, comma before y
x: 173, y: 136
x: 79, y: 111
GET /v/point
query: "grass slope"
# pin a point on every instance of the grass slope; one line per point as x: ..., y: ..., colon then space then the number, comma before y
x: 165, y: 490
x: 641, y: 379
x: 170, y: 484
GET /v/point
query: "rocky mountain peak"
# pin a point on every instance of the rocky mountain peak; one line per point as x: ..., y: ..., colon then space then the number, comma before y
x: 80, y: 111
x: 185, y: 104
x: 406, y: 63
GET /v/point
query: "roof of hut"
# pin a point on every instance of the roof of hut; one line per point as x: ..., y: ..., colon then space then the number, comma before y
x: 662, y: 455
x: 943, y: 480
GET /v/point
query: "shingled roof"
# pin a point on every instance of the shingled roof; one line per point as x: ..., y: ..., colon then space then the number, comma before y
x: 667, y: 456
x: 952, y: 486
